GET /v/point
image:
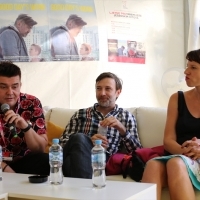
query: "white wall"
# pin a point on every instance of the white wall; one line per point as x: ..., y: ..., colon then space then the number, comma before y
x: 72, y: 84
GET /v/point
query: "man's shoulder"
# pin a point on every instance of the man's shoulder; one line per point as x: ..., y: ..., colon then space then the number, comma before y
x: 26, y: 96
x: 125, y: 110
x: 6, y: 30
x: 83, y: 112
x: 58, y: 29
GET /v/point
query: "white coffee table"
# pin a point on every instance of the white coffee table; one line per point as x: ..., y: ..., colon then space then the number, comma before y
x: 18, y: 186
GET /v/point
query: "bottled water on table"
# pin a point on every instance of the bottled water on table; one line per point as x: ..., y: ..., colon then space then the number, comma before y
x: 98, y: 158
x: 56, y: 161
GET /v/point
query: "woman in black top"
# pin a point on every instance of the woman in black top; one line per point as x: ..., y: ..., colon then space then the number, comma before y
x: 180, y: 168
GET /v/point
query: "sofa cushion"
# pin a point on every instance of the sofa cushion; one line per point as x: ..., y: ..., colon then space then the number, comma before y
x: 151, y: 123
x: 53, y: 131
x: 61, y: 116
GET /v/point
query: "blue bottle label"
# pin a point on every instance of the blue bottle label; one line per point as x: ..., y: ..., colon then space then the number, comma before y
x: 98, y: 158
x: 56, y: 156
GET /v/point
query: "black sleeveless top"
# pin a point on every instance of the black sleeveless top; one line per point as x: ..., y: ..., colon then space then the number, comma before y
x: 187, y: 126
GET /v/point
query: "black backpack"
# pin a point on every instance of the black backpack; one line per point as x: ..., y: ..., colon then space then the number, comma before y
x: 136, y: 167
x: 138, y: 161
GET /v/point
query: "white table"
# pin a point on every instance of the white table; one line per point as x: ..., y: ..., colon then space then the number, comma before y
x: 18, y: 186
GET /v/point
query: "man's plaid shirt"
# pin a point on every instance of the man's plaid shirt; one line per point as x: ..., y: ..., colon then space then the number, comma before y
x: 87, y: 121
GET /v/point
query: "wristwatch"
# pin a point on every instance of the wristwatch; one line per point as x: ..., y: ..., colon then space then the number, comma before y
x: 27, y: 128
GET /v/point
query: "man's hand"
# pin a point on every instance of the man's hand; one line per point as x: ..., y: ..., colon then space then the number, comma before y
x: 100, y: 137
x: 34, y: 141
x: 11, y: 117
x: 115, y: 123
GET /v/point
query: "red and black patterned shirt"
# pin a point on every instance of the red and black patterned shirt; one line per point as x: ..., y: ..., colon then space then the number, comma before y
x: 30, y: 108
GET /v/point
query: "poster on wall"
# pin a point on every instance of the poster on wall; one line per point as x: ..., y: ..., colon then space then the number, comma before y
x: 73, y: 30
x: 48, y: 30
x: 23, y: 30
x: 126, y: 32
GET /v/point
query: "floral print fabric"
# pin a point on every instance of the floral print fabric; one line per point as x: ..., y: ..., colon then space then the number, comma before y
x: 30, y: 108
x: 193, y: 167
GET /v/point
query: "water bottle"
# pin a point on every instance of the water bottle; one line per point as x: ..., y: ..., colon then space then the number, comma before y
x: 0, y: 162
x: 98, y: 158
x: 102, y: 130
x: 56, y: 161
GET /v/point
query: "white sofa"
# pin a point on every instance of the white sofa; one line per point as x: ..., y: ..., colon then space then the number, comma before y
x: 150, y: 121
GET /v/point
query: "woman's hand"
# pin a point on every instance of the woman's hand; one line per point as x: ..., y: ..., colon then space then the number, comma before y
x: 191, y: 148
x: 193, y: 142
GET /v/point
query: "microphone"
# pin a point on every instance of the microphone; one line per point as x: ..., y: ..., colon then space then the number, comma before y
x: 4, y: 108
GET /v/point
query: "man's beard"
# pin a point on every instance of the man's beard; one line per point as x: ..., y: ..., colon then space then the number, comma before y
x: 104, y: 103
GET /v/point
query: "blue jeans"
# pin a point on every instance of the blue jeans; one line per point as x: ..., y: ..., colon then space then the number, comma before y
x: 77, y: 156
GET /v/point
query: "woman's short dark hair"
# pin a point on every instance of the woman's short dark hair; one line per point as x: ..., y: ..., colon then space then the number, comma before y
x: 8, y: 69
x: 194, y: 56
x: 118, y: 81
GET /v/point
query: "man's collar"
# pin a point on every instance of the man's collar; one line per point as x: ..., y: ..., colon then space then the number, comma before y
x: 116, y: 108
x: 14, y: 27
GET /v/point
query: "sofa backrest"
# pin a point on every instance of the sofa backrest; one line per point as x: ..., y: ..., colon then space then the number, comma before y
x: 150, y: 122
x: 60, y: 116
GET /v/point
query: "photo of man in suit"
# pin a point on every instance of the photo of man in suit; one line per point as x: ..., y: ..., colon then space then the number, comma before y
x: 63, y: 44
x: 12, y: 44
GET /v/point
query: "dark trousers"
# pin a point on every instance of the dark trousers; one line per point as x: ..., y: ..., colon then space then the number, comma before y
x: 77, y: 157
x: 32, y: 163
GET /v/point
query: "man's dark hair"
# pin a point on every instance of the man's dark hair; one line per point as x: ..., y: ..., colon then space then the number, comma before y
x: 118, y: 81
x: 8, y: 69
x: 27, y: 20
x: 194, y: 56
x: 74, y: 21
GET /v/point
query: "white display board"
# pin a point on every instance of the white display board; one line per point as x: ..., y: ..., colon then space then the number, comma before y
x: 71, y: 84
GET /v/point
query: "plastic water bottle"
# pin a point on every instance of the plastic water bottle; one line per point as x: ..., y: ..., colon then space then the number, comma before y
x: 0, y: 162
x: 98, y: 158
x: 102, y: 130
x: 56, y: 161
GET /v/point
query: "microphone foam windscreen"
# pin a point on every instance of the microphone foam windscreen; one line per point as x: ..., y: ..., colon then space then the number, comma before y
x: 5, y: 107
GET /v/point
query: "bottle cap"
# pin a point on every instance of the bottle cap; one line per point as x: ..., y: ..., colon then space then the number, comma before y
x: 98, y: 142
x: 55, y: 141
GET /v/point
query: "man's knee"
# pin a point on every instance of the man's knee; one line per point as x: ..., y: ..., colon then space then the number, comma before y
x: 80, y: 138
x: 76, y: 143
